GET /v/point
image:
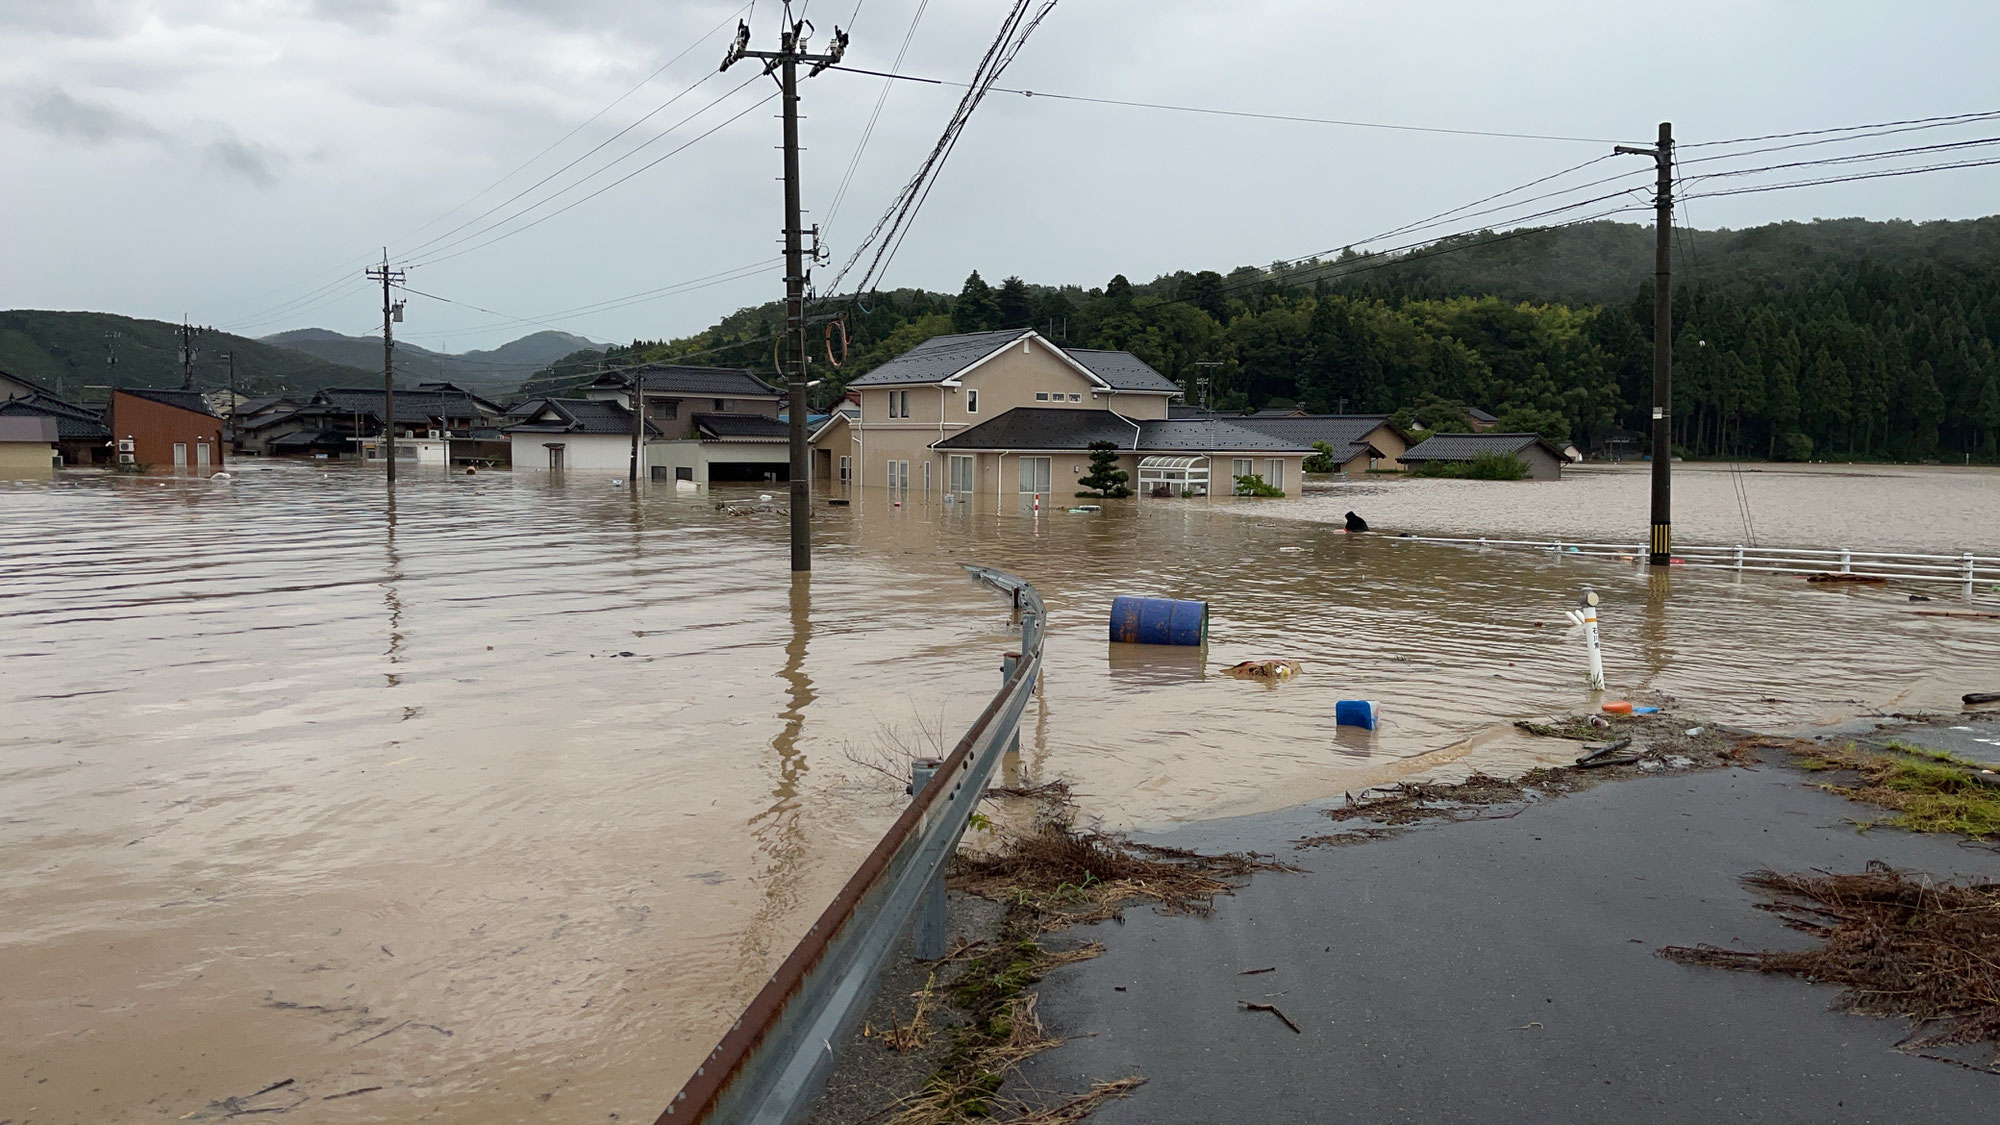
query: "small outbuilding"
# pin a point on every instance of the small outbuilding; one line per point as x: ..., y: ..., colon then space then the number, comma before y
x: 28, y: 446
x: 1543, y: 460
x: 166, y: 429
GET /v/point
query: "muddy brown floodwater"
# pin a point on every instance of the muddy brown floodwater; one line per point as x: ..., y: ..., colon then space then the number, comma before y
x: 499, y: 803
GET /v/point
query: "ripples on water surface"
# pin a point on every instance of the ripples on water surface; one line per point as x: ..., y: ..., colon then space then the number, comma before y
x: 506, y: 802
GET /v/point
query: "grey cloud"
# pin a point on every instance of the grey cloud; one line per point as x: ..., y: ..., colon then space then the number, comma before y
x: 55, y: 111
x: 252, y: 161
x: 74, y: 18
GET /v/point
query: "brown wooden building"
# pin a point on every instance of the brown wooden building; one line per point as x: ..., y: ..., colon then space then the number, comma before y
x: 165, y: 429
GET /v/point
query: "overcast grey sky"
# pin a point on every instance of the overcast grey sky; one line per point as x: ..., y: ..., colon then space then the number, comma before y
x: 217, y: 157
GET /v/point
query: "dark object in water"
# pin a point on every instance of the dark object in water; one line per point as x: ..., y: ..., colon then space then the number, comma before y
x: 1972, y: 697
x: 1595, y: 753
x: 1867, y: 579
x: 1356, y: 523
x: 1918, y: 598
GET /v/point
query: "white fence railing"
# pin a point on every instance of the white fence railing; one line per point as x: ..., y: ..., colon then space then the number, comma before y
x: 1973, y: 574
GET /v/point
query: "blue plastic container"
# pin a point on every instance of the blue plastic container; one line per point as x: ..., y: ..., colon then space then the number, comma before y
x: 1355, y: 713
x: 1159, y: 621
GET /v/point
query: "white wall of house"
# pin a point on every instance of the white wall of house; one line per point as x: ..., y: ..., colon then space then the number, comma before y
x: 668, y: 459
x: 588, y: 453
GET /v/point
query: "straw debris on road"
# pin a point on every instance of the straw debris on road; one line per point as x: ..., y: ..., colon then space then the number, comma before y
x: 1900, y: 944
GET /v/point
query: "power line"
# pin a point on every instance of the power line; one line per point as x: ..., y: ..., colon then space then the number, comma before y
x: 840, y: 195
x: 1969, y: 119
x: 1249, y: 114
x: 265, y: 315
x: 600, y: 191
x: 1884, y: 173
x: 721, y: 277
x: 1946, y: 119
x: 1850, y: 158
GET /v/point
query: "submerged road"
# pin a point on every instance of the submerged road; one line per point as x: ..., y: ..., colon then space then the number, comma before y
x: 1505, y: 971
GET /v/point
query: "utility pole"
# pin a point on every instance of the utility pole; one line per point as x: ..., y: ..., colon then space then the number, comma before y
x: 188, y: 333
x: 638, y: 426
x: 390, y: 313
x: 111, y: 356
x: 1663, y: 342
x: 784, y: 62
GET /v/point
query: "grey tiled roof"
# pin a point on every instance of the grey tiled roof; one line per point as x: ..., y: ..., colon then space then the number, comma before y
x: 582, y: 416
x: 741, y: 427
x: 1479, y: 415
x: 412, y: 407
x: 1464, y: 447
x: 714, y: 382
x: 306, y: 439
x: 939, y: 357
x: 1123, y: 370
x: 73, y: 422
x: 1337, y: 430
x: 190, y: 401
x: 1037, y: 427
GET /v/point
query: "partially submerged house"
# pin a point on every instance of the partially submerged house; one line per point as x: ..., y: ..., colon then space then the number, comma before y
x: 28, y: 446
x: 555, y: 435
x: 163, y: 429
x: 717, y: 424
x: 1360, y: 442
x: 442, y: 420
x: 1010, y: 415
x: 1544, y: 461
x: 82, y: 438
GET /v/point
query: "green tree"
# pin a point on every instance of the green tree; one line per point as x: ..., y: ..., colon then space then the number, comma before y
x: 1014, y: 305
x: 1320, y: 460
x: 976, y: 310
x: 1105, y: 477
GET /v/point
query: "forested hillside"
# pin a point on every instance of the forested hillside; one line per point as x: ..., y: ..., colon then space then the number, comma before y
x: 1831, y: 339
x: 495, y: 371
x: 68, y: 351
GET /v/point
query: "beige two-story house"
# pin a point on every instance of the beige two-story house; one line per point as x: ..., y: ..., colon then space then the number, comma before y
x: 1006, y: 417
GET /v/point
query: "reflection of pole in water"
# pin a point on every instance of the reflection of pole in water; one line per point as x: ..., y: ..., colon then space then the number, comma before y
x: 1653, y: 623
x: 777, y: 828
x: 390, y: 576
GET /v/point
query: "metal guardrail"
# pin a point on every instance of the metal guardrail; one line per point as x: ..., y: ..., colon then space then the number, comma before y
x: 1968, y: 571
x: 772, y: 1063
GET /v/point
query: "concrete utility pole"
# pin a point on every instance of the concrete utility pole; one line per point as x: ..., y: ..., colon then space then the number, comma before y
x: 390, y: 313
x: 638, y: 426
x: 188, y: 333
x: 111, y: 355
x: 784, y: 62
x: 1663, y: 343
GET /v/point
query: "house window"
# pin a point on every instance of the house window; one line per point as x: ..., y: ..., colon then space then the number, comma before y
x: 971, y: 401
x: 1035, y: 474
x: 846, y: 470
x: 1242, y: 467
x: 666, y: 408
x: 927, y: 478
x: 721, y: 405
x: 180, y: 455
x: 899, y: 404
x: 1274, y: 473
x: 959, y: 472
x: 1041, y: 396
x: 899, y: 476
x: 1075, y: 397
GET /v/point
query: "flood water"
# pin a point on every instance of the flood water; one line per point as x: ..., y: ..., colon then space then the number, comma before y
x: 503, y: 800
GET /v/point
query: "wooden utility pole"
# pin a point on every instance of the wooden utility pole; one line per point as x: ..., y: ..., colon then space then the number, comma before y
x: 1663, y: 343
x: 390, y: 312
x: 784, y: 62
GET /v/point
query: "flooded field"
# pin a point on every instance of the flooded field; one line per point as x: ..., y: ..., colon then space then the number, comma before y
x: 498, y: 804
x: 1907, y: 508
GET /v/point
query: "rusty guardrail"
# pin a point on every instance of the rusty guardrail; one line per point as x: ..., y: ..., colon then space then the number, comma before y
x: 771, y: 1064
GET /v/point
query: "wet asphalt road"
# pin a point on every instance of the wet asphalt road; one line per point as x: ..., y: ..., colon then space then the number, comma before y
x: 1505, y: 971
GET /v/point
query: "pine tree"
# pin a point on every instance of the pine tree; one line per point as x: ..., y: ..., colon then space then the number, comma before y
x: 976, y: 310
x: 1105, y: 476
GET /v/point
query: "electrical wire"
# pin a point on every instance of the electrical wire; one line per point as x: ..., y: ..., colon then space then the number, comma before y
x: 1851, y: 158
x: 609, y: 304
x: 1969, y: 119
x: 1880, y: 174
x: 1297, y: 119
x: 840, y: 195
x: 746, y: 111
x: 1946, y: 119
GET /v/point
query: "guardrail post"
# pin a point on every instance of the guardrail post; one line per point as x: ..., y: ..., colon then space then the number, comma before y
x: 1969, y: 576
x: 1846, y: 561
x: 930, y: 918
x: 1008, y: 663
x: 1559, y: 548
x: 1739, y: 558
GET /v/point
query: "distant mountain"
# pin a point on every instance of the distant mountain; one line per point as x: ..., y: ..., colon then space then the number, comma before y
x: 68, y: 350
x: 491, y: 371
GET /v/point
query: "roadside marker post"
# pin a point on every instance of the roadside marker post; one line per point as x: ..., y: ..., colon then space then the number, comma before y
x: 1590, y: 639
